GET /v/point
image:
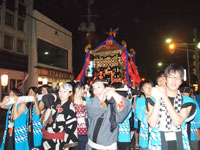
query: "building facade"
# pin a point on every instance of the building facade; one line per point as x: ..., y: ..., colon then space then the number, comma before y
x: 13, y: 41
x: 32, y: 44
x: 51, y: 56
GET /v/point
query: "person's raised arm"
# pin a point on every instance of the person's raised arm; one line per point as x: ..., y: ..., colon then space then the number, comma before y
x: 154, y: 110
x: 3, y: 103
x: 37, y: 109
x: 153, y: 114
x: 20, y: 110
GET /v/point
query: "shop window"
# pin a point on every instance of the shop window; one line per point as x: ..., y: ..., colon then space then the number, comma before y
x: 9, y: 19
x: 19, y: 83
x: 20, y: 46
x: 20, y: 24
x: 52, y: 55
x: 10, y: 4
x: 8, y: 42
x: 12, y: 83
x: 22, y: 10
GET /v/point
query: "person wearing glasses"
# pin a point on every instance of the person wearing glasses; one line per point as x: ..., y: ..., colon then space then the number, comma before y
x: 169, y: 113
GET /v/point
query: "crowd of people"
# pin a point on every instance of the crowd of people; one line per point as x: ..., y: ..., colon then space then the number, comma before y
x: 163, y: 116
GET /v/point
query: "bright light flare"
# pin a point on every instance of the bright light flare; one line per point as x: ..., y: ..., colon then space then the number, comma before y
x: 160, y: 64
x: 198, y: 45
x: 44, y: 81
x: 171, y: 46
x: 4, y: 80
x: 168, y: 40
x: 46, y: 53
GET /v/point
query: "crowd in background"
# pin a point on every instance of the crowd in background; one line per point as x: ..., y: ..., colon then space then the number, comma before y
x: 164, y: 115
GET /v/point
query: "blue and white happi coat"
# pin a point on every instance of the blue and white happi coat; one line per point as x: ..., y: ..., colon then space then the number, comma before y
x: 155, y: 135
x: 37, y: 133
x: 136, y: 123
x: 140, y: 111
x: 20, y: 131
x: 124, y: 129
x: 195, y: 124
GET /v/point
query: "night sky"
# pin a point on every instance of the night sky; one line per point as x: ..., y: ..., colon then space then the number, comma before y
x: 143, y: 24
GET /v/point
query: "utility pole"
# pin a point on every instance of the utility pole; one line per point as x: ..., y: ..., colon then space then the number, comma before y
x: 196, y: 55
x: 89, y: 22
x: 88, y: 27
x: 188, y: 65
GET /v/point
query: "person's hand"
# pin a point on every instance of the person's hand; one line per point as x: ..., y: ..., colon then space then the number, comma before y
x: 156, y: 93
x: 5, y: 100
x: 108, y: 92
x: 163, y: 92
x: 35, y: 100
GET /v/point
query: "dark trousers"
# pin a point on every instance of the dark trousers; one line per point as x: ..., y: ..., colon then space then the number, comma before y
x: 82, y: 141
x: 124, y: 145
x: 9, y: 143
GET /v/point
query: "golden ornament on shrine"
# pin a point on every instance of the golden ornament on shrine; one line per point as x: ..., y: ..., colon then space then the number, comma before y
x: 124, y: 44
x: 133, y: 51
x: 87, y: 47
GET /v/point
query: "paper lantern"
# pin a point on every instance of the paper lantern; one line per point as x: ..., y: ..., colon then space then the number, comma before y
x: 4, y: 80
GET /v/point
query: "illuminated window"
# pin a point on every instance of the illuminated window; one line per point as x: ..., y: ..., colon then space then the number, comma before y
x: 52, y: 55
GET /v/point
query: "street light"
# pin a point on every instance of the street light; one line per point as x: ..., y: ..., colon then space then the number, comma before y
x: 181, y: 45
x: 160, y: 64
x: 168, y: 40
x: 171, y: 47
